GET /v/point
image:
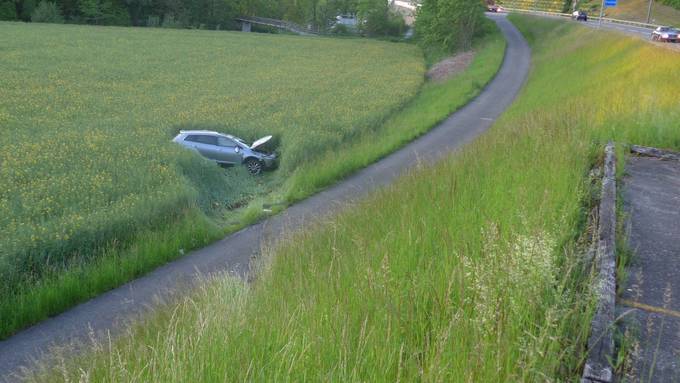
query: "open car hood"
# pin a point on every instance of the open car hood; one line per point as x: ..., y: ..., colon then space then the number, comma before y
x: 260, y: 142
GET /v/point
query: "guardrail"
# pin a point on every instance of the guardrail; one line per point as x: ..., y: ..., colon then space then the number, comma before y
x: 596, y: 18
x: 281, y: 24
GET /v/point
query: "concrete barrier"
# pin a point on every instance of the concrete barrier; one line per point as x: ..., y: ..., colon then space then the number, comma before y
x: 601, y: 341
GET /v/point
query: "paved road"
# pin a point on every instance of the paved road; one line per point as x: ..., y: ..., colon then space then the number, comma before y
x: 644, y: 33
x: 113, y: 310
x: 652, y: 201
x: 629, y: 29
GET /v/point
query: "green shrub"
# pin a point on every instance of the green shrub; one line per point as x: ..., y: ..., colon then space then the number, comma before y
x: 47, y: 12
x: 673, y: 3
x: 8, y: 11
x: 379, y: 20
x: 169, y: 21
x: 340, y: 29
x: 451, y: 24
x: 26, y: 8
x: 153, y: 21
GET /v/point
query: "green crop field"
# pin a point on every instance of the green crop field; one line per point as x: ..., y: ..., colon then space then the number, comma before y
x: 468, y: 271
x: 87, y: 116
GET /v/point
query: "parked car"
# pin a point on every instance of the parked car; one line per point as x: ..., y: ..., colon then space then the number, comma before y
x: 666, y: 34
x: 580, y: 16
x: 226, y: 149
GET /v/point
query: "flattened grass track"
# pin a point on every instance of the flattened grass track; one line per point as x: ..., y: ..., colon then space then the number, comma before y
x: 110, y: 312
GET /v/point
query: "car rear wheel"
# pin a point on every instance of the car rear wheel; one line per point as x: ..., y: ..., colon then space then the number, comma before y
x: 254, y: 166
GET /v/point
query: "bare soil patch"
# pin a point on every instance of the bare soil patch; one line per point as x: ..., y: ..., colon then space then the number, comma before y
x: 450, y: 66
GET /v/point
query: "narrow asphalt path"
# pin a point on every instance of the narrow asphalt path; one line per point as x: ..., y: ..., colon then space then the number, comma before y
x: 112, y: 311
x: 651, y: 196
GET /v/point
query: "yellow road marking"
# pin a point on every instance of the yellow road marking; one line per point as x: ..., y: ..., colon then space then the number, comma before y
x: 653, y: 309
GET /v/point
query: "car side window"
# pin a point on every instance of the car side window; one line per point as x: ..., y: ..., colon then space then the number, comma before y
x: 209, y: 140
x: 225, y: 142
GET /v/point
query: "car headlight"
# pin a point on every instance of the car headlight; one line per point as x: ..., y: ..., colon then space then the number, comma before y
x: 665, y: 35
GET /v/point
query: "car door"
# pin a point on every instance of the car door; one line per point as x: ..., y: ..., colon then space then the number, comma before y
x: 206, y: 145
x: 230, y: 152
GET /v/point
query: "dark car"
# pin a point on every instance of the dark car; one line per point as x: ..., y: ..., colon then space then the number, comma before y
x: 579, y: 16
x: 666, y: 34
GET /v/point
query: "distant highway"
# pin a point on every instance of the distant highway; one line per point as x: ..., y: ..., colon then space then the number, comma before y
x: 644, y: 32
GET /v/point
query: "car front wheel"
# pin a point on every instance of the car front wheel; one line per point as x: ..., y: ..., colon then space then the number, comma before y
x: 254, y: 166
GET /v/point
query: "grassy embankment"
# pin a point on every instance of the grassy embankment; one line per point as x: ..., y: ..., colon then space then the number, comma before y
x: 104, y: 197
x: 465, y: 271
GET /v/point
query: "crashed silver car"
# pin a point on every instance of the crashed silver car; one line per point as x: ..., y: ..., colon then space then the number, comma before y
x: 226, y: 149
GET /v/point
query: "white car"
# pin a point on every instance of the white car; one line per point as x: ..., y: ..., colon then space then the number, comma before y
x: 665, y: 34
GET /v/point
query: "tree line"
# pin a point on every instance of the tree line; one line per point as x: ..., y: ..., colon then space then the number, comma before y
x: 449, y: 23
x: 446, y: 24
x: 206, y: 14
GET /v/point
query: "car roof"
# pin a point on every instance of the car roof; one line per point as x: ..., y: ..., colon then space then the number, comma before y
x: 208, y: 132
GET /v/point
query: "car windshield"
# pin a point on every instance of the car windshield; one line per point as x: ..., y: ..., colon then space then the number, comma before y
x: 240, y: 141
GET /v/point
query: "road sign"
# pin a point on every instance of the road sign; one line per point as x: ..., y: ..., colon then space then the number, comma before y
x: 610, y: 3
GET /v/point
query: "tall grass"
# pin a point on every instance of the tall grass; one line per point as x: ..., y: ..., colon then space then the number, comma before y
x: 59, y: 288
x: 463, y: 271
